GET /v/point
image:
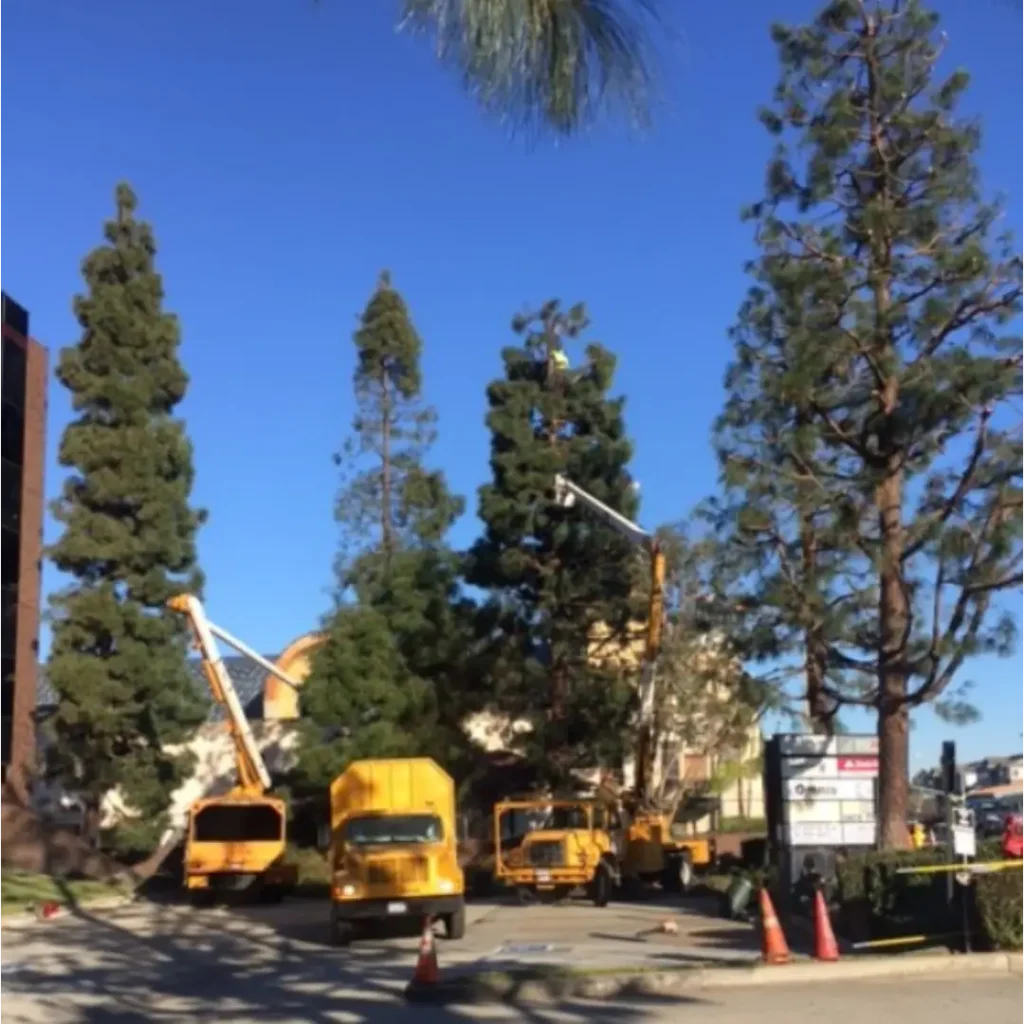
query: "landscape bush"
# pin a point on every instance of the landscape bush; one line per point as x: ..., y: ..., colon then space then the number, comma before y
x: 877, y: 901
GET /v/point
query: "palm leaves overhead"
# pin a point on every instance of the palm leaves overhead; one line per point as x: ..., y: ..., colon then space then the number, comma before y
x: 546, y: 64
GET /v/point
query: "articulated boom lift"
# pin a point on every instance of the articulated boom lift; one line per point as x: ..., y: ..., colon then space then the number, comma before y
x: 651, y: 851
x: 236, y: 841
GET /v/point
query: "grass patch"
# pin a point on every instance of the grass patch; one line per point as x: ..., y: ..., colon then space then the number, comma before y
x: 22, y: 890
x: 314, y: 872
x: 716, y: 882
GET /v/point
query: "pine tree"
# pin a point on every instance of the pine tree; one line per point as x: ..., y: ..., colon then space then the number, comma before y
x: 889, y: 376
x: 554, y: 577
x: 118, y: 660
x: 389, y: 676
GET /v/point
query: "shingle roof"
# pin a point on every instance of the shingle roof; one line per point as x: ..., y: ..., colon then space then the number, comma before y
x: 247, y: 677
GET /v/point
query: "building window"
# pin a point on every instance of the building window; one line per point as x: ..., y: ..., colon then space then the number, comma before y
x: 8, y: 628
x: 14, y: 374
x: 12, y: 435
x: 6, y: 687
x: 11, y: 553
x: 7, y: 727
x: 10, y: 481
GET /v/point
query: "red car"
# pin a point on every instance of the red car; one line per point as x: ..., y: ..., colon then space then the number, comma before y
x: 1013, y: 842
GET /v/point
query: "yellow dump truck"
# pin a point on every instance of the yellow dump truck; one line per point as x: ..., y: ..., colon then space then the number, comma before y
x: 394, y: 846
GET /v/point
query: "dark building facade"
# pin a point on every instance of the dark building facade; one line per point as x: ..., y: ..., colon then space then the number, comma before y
x: 23, y: 432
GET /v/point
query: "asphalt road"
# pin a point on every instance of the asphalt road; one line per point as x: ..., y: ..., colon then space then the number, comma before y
x: 272, y: 965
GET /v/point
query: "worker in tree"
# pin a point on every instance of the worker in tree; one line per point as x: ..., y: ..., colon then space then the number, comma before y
x: 918, y: 835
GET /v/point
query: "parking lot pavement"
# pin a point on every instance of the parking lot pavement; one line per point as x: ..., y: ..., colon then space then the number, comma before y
x: 151, y: 961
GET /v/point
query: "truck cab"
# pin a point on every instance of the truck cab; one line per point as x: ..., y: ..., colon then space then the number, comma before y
x: 550, y: 848
x: 394, y: 850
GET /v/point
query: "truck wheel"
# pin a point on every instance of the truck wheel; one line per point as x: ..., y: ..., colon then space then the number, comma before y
x: 271, y: 894
x: 455, y: 924
x: 525, y: 896
x: 602, y: 886
x: 678, y: 874
x: 341, y: 931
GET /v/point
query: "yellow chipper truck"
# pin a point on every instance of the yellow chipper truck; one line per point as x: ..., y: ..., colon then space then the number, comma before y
x: 394, y: 846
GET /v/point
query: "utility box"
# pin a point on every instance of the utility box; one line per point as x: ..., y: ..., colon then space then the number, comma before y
x: 821, y: 799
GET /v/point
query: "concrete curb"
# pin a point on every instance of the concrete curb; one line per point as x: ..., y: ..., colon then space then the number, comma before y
x: 29, y: 920
x: 545, y: 988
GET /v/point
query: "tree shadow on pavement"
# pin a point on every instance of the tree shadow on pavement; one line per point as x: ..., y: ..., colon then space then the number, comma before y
x: 168, y: 963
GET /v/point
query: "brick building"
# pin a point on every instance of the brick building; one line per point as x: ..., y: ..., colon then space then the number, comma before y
x: 24, y: 371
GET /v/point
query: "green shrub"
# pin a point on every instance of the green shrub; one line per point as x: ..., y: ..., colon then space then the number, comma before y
x: 997, y: 901
x: 879, y: 902
x: 314, y: 870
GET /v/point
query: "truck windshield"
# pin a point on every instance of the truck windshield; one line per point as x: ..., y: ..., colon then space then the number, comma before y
x: 394, y: 829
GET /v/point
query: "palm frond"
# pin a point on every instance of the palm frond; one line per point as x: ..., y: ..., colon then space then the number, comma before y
x: 547, y: 64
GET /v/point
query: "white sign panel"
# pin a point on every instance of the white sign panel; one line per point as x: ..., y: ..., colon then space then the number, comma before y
x: 829, y: 789
x: 813, y: 810
x: 857, y: 811
x: 808, y: 767
x: 964, y: 841
x: 803, y: 744
x: 808, y: 833
x: 859, y: 833
x: 857, y: 745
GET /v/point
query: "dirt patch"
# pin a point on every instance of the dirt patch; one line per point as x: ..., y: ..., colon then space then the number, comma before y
x: 31, y: 845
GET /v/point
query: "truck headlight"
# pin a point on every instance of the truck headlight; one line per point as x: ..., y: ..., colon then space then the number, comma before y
x: 446, y: 885
x: 348, y: 890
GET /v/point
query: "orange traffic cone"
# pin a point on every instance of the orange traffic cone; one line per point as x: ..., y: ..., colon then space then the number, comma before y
x: 774, y: 949
x: 825, y: 947
x: 47, y: 910
x: 426, y: 964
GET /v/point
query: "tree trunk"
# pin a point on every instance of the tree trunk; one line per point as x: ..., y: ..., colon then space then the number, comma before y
x: 893, y: 764
x: 893, y: 713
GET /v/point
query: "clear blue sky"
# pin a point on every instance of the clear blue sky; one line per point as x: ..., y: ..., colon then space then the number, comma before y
x: 286, y: 152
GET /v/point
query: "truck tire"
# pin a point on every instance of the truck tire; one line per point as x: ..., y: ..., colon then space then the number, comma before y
x: 602, y: 886
x: 342, y: 931
x: 455, y: 924
x: 679, y: 874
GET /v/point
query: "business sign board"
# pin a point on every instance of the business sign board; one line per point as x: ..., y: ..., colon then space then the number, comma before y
x: 828, y: 793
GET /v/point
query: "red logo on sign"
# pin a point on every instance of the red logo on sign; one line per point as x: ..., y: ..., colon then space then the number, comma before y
x: 868, y: 765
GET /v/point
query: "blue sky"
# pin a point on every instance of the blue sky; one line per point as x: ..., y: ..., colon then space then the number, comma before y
x: 286, y: 152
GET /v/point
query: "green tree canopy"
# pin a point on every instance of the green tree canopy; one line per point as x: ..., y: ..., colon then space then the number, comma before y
x: 118, y: 659
x: 878, y: 364
x: 389, y: 679
x: 552, y: 575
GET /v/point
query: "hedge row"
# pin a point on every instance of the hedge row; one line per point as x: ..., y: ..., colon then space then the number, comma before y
x: 877, y: 902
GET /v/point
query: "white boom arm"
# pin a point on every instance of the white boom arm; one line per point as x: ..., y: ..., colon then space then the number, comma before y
x: 566, y: 493
x: 205, y: 631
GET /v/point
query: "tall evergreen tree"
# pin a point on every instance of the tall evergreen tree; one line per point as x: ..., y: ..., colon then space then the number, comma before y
x: 889, y: 377
x: 118, y: 660
x: 555, y: 576
x: 388, y: 679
